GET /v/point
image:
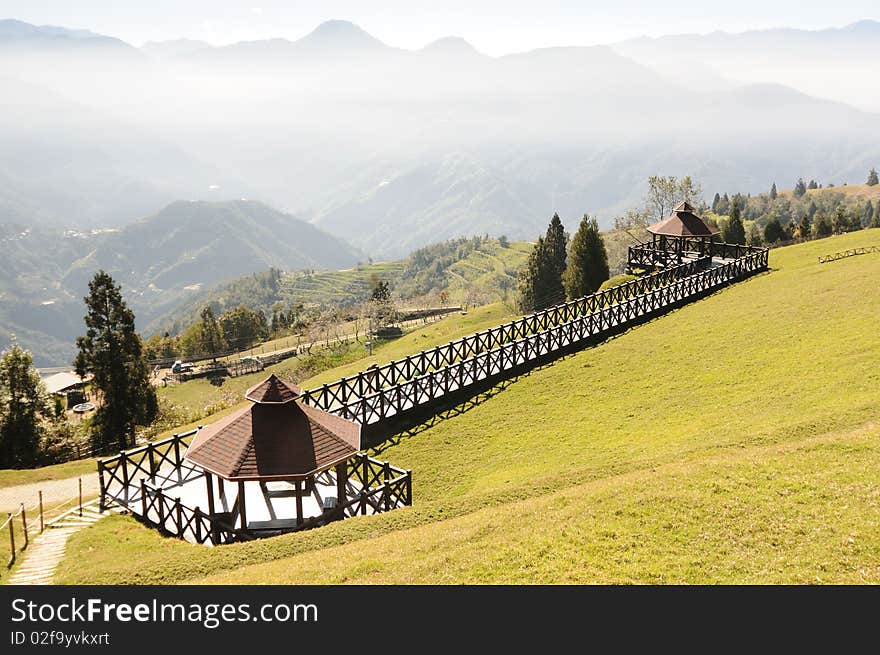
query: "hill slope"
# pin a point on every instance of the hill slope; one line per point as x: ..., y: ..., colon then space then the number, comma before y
x: 731, y: 440
x: 472, y: 270
x: 160, y: 261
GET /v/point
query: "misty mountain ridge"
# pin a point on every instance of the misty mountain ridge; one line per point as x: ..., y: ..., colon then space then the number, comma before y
x: 838, y: 61
x: 391, y: 148
x: 159, y: 261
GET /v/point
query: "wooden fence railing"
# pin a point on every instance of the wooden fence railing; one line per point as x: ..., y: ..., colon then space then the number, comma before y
x: 851, y: 252
x: 119, y: 475
x: 650, y: 255
x: 159, y: 510
x: 422, y: 379
x: 352, y: 389
x: 142, y: 480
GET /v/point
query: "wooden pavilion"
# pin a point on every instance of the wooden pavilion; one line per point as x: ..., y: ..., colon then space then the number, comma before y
x: 681, y: 233
x: 275, y: 439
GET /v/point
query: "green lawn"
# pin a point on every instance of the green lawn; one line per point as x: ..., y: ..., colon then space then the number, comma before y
x: 728, y: 441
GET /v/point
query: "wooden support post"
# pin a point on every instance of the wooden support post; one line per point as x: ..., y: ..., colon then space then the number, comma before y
x: 80, y: 480
x: 144, y: 499
x: 341, y: 482
x: 125, y: 479
x: 177, y: 440
x: 242, y: 512
x: 209, y: 481
x: 160, y: 498
x: 11, y: 539
x: 299, y: 502
x: 151, y: 452
x: 178, y: 515
x: 101, y: 483
x: 24, y: 525
x: 198, y: 520
x: 409, y: 487
x: 40, y: 494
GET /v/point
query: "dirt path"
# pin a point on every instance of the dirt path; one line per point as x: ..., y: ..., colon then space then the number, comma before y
x: 54, y: 492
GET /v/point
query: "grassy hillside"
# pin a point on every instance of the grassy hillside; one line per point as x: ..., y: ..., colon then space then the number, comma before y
x: 855, y: 191
x: 200, y: 401
x: 484, y: 271
x: 471, y: 272
x: 732, y: 440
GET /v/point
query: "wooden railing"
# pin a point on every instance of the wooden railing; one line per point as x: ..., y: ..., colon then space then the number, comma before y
x: 119, y: 475
x: 649, y: 255
x: 170, y: 516
x: 142, y: 480
x: 399, y: 387
x: 851, y: 252
x: 348, y: 391
x: 383, y: 488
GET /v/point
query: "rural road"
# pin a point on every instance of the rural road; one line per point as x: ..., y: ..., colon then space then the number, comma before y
x: 55, y: 492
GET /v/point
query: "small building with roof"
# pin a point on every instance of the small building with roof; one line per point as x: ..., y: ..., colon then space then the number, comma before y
x: 274, y: 466
x: 68, y: 385
x: 680, y: 236
x: 275, y: 439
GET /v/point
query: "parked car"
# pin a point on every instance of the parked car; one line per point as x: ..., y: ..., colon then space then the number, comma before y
x: 181, y: 367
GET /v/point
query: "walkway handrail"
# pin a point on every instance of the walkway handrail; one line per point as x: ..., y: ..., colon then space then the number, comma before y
x: 397, y: 371
x: 419, y: 389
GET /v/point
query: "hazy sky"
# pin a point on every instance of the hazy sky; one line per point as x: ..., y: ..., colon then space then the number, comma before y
x: 493, y: 26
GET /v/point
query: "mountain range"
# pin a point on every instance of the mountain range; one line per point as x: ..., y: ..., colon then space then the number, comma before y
x: 383, y: 148
x: 160, y: 262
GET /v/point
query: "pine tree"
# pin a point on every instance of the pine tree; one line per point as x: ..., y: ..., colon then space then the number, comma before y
x: 774, y: 231
x: 556, y: 245
x: 839, y: 223
x: 812, y: 185
x: 734, y: 231
x: 800, y: 188
x: 715, y: 202
x: 804, y: 227
x: 587, y: 260
x: 23, y: 404
x: 867, y: 214
x: 540, y: 282
x: 875, y: 219
x: 111, y: 350
x: 529, y: 278
x: 773, y: 193
x: 821, y: 225
x: 210, y: 336
x: 872, y: 178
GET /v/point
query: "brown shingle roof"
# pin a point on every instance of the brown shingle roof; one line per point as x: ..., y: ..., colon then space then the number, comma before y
x: 272, y: 390
x: 683, y: 223
x: 274, y: 441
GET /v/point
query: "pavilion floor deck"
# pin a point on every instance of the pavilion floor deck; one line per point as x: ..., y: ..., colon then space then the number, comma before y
x: 271, y: 506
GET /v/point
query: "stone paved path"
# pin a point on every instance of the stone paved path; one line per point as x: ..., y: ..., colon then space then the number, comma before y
x: 44, y: 552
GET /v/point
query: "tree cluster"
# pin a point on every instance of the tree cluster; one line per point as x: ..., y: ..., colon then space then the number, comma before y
x: 554, y: 271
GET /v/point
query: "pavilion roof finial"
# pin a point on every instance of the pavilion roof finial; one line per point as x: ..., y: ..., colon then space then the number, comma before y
x: 272, y: 391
